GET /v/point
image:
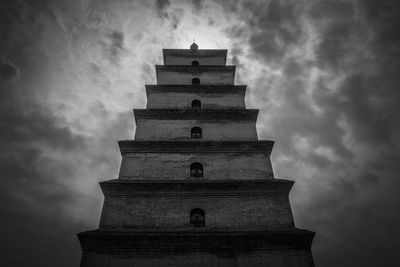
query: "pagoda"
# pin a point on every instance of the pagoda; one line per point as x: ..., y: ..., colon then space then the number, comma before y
x: 196, y: 185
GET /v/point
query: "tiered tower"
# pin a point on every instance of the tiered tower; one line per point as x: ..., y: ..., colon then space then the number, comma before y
x: 196, y: 186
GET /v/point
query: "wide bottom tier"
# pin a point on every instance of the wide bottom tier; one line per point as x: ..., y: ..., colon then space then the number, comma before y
x: 290, y: 247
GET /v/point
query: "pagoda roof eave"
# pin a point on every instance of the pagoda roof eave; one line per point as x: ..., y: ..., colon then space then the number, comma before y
x: 193, y: 114
x: 135, y: 146
x: 191, y: 240
x: 196, y: 88
x: 267, y: 186
x: 196, y: 69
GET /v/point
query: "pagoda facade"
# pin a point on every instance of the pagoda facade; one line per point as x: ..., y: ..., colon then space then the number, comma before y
x: 196, y: 186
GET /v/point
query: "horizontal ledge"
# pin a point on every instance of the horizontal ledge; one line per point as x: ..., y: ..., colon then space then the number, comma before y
x: 194, y: 114
x: 196, y: 69
x: 132, y: 146
x: 185, y: 241
x: 196, y: 88
x: 196, y: 186
x: 197, y: 52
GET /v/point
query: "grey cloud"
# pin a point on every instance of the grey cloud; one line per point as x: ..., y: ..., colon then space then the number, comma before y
x: 275, y: 26
x: 367, y: 100
x: 174, y: 21
x: 117, y: 41
x: 354, y: 101
x: 345, y: 35
x: 166, y: 13
x: 368, y: 97
x: 95, y: 68
x: 34, y: 191
x: 7, y: 70
x: 349, y: 201
x: 36, y: 126
x: 197, y: 5
x: 161, y: 6
x: 344, y: 199
x: 114, y: 45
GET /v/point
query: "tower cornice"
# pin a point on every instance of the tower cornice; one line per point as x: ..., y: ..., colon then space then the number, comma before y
x: 124, y: 187
x: 212, y: 241
x: 196, y: 88
x: 196, y: 69
x: 133, y: 146
x: 194, y: 114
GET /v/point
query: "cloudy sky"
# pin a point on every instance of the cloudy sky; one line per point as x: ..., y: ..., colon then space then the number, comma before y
x: 324, y: 74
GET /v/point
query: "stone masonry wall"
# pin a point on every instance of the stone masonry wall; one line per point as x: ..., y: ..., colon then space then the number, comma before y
x: 167, y: 166
x: 209, y: 77
x: 152, y: 129
x: 173, y: 211
x: 266, y: 258
x: 179, y: 60
x: 184, y: 100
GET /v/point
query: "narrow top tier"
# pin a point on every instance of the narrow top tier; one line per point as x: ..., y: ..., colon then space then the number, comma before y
x: 194, y: 56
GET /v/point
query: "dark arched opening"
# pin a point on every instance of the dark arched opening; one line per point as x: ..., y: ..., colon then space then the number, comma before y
x: 197, y: 218
x: 196, y: 133
x: 195, y: 63
x: 195, y: 81
x: 196, y: 170
x: 196, y: 104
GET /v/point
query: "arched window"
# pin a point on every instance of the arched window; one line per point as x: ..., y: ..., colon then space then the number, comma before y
x: 196, y: 133
x: 195, y: 63
x: 196, y: 170
x: 196, y: 104
x: 197, y: 218
x: 195, y: 81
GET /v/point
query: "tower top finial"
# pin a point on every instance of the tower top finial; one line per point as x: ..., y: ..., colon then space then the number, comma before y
x: 194, y: 46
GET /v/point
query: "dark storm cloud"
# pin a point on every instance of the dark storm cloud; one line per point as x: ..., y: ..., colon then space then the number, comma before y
x: 113, y: 45
x: 36, y: 148
x: 18, y: 21
x: 33, y: 190
x: 275, y: 27
x: 350, y: 195
x: 117, y: 41
x: 42, y: 157
x: 368, y: 97
x: 147, y: 72
x: 7, y: 70
x: 161, y: 6
x: 355, y: 118
x: 173, y: 16
x: 197, y: 5
x: 174, y: 21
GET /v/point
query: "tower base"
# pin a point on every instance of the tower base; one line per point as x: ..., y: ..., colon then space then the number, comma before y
x: 278, y: 248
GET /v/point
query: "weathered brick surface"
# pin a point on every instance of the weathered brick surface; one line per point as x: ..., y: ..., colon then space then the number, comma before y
x: 170, y: 76
x: 223, y: 165
x: 152, y: 129
x: 269, y: 258
x: 184, y: 100
x: 146, y: 213
x: 225, y: 212
x: 204, y: 57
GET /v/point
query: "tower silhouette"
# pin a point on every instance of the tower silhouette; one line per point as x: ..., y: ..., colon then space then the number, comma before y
x: 196, y: 186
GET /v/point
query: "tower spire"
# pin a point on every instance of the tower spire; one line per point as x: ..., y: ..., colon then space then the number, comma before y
x: 194, y: 46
